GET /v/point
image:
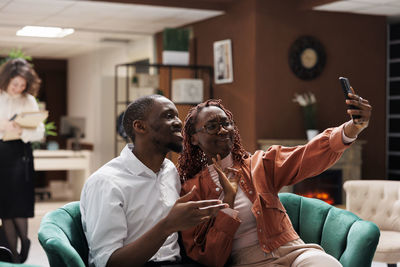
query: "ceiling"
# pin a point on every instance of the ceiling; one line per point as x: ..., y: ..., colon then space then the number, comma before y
x: 112, y: 23
x: 97, y: 24
x: 371, y: 7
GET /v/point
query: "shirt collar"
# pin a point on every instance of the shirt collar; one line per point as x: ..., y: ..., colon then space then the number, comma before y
x: 134, y: 165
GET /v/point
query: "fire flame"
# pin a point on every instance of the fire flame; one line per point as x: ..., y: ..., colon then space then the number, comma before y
x: 320, y: 195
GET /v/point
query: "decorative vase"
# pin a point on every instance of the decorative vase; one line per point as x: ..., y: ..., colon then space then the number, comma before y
x: 311, y: 133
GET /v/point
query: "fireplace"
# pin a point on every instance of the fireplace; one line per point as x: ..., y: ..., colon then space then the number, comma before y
x: 327, y: 186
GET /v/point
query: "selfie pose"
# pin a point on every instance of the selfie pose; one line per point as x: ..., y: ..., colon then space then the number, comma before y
x: 255, y: 230
x: 131, y: 210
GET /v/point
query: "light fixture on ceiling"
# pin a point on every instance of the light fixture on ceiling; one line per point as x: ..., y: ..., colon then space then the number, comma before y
x: 49, y: 32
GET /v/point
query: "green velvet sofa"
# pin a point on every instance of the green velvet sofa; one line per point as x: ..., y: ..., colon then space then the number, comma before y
x: 61, y: 236
x: 341, y: 233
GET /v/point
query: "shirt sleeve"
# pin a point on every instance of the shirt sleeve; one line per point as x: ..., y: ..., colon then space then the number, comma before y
x: 231, y: 212
x: 31, y: 135
x: 290, y: 165
x: 347, y: 140
x: 210, y: 243
x: 103, y: 219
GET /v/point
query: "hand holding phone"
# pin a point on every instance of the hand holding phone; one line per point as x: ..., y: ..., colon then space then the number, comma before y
x: 346, y: 90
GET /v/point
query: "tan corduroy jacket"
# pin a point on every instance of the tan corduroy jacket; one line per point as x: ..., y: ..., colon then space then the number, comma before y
x: 262, y: 176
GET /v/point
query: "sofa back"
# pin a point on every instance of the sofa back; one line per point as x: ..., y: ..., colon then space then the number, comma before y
x: 375, y: 200
x: 341, y: 233
x: 61, y: 236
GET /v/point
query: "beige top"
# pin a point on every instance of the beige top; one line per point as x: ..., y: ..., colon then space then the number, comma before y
x: 11, y: 105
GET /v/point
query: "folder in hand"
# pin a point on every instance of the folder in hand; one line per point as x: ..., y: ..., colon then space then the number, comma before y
x: 27, y: 120
x: 31, y: 119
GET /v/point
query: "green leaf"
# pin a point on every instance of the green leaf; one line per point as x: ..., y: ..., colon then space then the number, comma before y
x: 49, y: 127
x: 16, y: 53
x: 51, y: 133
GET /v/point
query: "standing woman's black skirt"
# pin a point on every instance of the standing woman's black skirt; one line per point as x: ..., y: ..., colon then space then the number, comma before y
x: 16, y: 180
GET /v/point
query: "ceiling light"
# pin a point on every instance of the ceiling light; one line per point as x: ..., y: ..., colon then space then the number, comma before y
x: 49, y: 32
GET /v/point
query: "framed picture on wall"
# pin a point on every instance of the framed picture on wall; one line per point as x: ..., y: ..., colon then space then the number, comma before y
x: 223, y: 70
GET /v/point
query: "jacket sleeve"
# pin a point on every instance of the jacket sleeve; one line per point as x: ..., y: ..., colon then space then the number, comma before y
x: 290, y: 165
x: 210, y: 243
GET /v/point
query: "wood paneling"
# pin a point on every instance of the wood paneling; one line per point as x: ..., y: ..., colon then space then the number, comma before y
x: 261, y: 95
x: 351, y: 50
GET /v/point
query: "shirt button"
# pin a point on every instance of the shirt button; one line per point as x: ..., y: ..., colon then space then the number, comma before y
x: 258, y: 212
x: 260, y: 230
x: 250, y: 192
x: 242, y: 181
x: 217, y: 189
x: 264, y: 246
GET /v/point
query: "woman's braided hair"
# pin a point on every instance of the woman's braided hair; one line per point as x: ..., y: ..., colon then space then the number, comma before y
x: 192, y: 160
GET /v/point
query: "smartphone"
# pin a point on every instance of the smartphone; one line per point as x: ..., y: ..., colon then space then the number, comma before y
x: 346, y: 90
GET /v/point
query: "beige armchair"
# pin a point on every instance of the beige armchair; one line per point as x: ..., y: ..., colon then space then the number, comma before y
x: 378, y: 201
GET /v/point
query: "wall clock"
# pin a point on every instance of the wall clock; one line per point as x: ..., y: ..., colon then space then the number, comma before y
x: 307, y: 57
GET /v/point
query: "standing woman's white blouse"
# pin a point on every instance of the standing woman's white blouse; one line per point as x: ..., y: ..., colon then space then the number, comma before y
x: 11, y: 105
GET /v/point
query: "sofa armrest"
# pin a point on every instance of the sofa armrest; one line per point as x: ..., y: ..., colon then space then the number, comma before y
x: 362, y: 241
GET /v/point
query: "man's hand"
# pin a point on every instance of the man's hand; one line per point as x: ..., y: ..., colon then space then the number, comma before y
x: 186, y: 213
x: 229, y: 185
x: 354, y: 127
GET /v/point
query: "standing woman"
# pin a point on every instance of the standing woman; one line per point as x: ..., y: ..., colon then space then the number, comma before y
x: 19, y: 84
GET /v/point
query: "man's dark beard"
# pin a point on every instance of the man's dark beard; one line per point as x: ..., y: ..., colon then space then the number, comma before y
x: 175, y: 147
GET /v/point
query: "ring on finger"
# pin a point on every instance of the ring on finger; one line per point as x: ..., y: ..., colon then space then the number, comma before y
x: 360, y: 99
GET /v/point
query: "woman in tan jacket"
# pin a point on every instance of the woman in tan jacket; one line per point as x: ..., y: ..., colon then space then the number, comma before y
x: 256, y: 230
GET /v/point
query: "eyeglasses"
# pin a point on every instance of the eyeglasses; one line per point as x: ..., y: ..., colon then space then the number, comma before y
x: 215, y: 126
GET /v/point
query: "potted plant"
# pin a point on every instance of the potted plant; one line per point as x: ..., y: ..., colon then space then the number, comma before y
x: 308, y: 103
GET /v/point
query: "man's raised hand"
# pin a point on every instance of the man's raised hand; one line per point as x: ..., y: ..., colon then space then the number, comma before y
x: 187, y: 213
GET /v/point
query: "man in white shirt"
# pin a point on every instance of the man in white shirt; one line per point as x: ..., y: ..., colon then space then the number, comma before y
x: 131, y: 210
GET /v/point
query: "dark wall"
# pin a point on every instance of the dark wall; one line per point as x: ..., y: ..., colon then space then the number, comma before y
x: 261, y: 95
x: 53, y: 92
x: 355, y: 46
x: 239, y: 25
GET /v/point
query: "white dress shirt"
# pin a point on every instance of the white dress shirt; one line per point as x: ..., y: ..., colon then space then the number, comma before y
x: 123, y: 200
x: 11, y: 105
